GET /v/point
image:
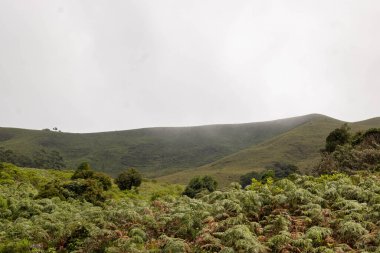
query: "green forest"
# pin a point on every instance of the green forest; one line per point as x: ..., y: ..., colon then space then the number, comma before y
x: 333, y: 208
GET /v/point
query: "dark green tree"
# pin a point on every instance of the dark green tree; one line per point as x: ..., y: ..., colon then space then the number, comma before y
x: 339, y: 136
x: 282, y: 170
x: 104, y: 179
x: 90, y: 190
x: 128, y: 179
x: 9, y: 156
x: 83, y: 171
x: 198, y: 184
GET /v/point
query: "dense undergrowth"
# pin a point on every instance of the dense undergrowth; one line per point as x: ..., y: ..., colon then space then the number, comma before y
x: 329, y: 213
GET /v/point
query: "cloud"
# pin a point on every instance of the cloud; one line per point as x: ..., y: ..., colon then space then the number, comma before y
x: 96, y: 66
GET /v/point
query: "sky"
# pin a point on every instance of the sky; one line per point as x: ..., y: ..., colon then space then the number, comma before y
x: 96, y: 65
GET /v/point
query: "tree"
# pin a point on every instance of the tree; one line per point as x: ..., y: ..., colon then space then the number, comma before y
x: 128, y: 179
x: 104, y: 179
x: 9, y: 156
x: 282, y: 170
x: 198, y: 184
x: 83, y: 171
x: 339, y: 136
x: 276, y: 171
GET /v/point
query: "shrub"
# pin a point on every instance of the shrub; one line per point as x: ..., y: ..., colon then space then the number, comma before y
x: 15, y: 246
x: 351, y: 231
x: 198, y: 184
x: 339, y: 136
x: 104, y: 179
x: 242, y: 239
x: 83, y: 171
x: 318, y: 234
x: 89, y: 190
x: 128, y: 179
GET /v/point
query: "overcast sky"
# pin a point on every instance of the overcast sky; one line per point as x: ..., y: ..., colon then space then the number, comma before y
x: 87, y: 66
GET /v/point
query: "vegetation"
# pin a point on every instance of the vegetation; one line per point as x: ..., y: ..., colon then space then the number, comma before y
x: 299, y: 146
x: 41, y: 159
x: 84, y: 185
x: 359, y: 151
x: 328, y: 213
x: 336, y: 210
x: 200, y: 184
x: 128, y: 179
x: 277, y: 170
x: 338, y: 137
x: 175, y: 155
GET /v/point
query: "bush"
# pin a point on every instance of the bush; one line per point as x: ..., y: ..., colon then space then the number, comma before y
x: 83, y: 171
x: 128, y: 179
x: 104, y: 179
x: 351, y: 231
x: 198, y: 184
x: 246, y: 179
x: 339, y: 136
x: 318, y: 234
x: 15, y: 247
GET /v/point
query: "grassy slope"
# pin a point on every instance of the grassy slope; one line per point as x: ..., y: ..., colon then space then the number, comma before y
x: 299, y: 146
x: 154, y: 151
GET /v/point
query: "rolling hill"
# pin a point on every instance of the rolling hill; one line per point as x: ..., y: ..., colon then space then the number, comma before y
x: 175, y: 154
x: 154, y: 151
x: 299, y: 146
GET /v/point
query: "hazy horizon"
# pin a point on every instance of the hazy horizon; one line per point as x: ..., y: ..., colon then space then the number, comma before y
x: 94, y: 66
x: 184, y: 126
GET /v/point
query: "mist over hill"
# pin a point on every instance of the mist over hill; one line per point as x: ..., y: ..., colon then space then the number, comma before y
x: 176, y: 153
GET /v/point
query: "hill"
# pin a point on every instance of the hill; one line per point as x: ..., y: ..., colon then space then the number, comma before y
x: 299, y: 146
x: 154, y: 151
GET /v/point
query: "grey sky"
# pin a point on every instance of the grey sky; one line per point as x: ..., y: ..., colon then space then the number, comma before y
x: 93, y: 65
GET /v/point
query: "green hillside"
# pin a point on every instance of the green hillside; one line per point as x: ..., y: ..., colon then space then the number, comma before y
x: 299, y: 146
x: 154, y: 151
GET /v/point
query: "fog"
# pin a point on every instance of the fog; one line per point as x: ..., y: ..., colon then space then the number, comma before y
x: 87, y: 66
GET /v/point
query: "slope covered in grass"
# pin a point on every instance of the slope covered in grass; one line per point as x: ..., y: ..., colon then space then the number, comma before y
x: 300, y: 146
x: 154, y: 151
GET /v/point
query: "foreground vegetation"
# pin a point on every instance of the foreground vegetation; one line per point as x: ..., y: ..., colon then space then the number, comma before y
x: 329, y: 213
x: 336, y: 210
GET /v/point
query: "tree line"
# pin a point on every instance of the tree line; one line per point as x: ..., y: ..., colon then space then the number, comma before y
x: 40, y: 159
